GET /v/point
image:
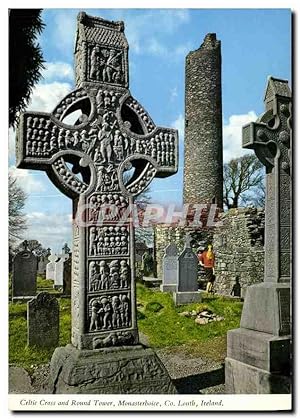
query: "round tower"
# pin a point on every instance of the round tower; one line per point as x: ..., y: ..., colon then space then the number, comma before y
x: 203, y: 148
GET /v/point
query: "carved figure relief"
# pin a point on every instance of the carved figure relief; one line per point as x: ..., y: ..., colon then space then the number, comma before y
x: 114, y: 339
x: 106, y: 65
x: 108, y: 241
x: 82, y: 145
x: 107, y: 207
x: 109, y: 312
x: 108, y: 275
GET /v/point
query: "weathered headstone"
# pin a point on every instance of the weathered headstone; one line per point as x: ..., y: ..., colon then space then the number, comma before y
x: 170, y: 269
x: 43, y: 321
x: 187, y: 276
x: 113, y: 134
x: 258, y: 353
x: 42, y: 263
x: 67, y: 274
x: 50, y: 267
x: 24, y: 275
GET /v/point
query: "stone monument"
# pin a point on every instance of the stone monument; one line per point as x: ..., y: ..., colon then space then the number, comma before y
x: 187, y: 276
x: 203, y: 150
x: 43, y: 261
x: 113, y: 134
x: 259, y: 352
x: 50, y: 267
x: 43, y: 321
x: 59, y: 265
x: 24, y: 275
x: 170, y: 269
x: 67, y: 276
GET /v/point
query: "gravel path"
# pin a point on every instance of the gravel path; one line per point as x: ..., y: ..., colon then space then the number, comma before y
x: 191, y: 375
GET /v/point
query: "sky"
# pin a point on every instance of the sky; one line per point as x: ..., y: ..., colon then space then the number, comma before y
x: 255, y: 43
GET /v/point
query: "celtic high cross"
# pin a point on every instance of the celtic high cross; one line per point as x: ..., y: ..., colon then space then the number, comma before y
x: 95, y: 134
x: 271, y: 137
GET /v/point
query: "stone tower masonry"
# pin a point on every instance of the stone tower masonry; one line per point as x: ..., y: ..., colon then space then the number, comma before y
x: 203, y: 153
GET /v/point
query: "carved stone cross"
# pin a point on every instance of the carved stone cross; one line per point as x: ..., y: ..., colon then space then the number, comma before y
x: 259, y: 352
x: 94, y: 135
x: 270, y: 138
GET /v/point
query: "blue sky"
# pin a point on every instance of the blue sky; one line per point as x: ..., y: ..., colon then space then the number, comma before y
x: 256, y: 43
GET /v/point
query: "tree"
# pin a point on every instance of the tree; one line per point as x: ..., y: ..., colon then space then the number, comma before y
x: 16, y: 217
x: 25, y: 58
x: 34, y: 246
x: 244, y: 182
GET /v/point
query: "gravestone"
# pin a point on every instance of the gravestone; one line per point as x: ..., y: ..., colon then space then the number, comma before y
x: 86, y: 161
x: 259, y: 352
x: 187, y: 276
x: 59, y: 270
x: 24, y: 275
x: 50, y: 267
x: 67, y: 273
x: 43, y: 321
x: 42, y: 263
x: 170, y: 269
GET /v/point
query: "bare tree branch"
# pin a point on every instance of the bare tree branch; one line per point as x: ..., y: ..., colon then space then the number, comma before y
x: 243, y: 182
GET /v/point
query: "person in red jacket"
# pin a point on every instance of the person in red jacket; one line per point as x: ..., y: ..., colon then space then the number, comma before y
x: 207, y: 260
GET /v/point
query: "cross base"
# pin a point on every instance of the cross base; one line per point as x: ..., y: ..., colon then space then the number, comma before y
x: 125, y: 370
x: 267, y: 308
x: 241, y: 378
x: 258, y: 353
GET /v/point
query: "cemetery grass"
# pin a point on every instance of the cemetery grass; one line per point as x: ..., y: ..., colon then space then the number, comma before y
x: 159, y: 320
x: 28, y: 357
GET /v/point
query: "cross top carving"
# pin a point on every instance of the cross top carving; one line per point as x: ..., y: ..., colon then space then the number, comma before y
x: 52, y: 257
x: 111, y: 132
x: 271, y: 137
x: 86, y: 144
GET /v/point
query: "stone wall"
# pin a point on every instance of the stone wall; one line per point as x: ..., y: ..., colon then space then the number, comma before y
x: 203, y: 152
x: 238, y: 245
x: 239, y: 249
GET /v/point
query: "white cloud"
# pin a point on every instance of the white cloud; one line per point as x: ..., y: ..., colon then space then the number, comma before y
x: 58, y: 71
x: 179, y: 124
x: 141, y: 32
x: 232, y: 135
x: 173, y: 93
x: 46, y: 96
x: 52, y: 230
x: 28, y: 180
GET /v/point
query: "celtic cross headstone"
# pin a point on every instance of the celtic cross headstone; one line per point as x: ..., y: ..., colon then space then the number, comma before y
x: 94, y: 135
x: 265, y: 330
x: 50, y: 268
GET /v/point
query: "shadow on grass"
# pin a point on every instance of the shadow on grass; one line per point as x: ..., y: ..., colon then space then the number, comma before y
x: 193, y: 384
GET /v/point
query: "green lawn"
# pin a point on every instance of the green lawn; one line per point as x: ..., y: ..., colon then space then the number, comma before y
x: 158, y: 319
x: 19, y: 353
x: 166, y: 328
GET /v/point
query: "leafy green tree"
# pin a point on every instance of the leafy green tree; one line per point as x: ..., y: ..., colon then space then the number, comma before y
x: 25, y: 58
